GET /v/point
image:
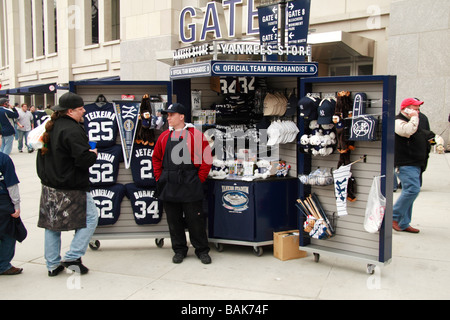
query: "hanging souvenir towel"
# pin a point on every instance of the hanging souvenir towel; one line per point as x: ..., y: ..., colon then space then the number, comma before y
x: 341, y: 179
x: 363, y: 126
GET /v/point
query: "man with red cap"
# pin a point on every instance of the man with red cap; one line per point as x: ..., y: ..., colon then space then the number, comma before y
x: 411, y: 156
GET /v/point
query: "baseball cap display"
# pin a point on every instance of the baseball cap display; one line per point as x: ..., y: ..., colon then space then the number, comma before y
x: 411, y: 102
x: 175, y: 108
x: 326, y: 111
x: 282, y: 132
x: 308, y: 107
x: 275, y: 104
x: 291, y: 108
x: 69, y: 101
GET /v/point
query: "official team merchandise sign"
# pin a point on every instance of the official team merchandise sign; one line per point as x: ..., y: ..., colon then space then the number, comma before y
x: 264, y: 69
x: 127, y: 113
x: 244, y: 68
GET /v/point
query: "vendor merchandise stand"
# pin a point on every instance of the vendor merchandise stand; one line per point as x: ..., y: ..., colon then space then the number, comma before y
x: 257, y: 227
x: 351, y: 240
x: 126, y: 227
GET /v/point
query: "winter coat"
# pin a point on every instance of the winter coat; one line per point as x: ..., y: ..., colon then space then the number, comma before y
x: 411, y: 148
x: 66, y: 166
x: 64, y: 173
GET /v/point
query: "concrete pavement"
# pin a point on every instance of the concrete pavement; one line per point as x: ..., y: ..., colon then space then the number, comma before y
x: 139, y: 270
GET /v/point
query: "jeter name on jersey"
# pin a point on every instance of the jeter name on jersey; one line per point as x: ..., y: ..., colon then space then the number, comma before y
x: 142, y: 167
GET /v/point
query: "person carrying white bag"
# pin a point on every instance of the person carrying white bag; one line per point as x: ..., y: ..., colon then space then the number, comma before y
x: 35, y: 137
x: 376, y: 208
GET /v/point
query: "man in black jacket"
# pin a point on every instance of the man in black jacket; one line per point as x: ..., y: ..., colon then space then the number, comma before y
x: 66, y: 203
x: 412, y: 149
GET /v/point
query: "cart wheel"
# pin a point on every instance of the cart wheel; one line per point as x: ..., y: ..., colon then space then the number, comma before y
x: 94, y: 245
x: 316, y: 257
x: 258, y: 251
x: 371, y: 268
x: 159, y: 243
x: 219, y: 247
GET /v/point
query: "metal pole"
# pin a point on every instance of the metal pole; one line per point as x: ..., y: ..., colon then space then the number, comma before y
x: 283, y: 27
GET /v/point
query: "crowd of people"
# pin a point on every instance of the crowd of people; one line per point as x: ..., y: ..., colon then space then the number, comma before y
x: 17, y: 121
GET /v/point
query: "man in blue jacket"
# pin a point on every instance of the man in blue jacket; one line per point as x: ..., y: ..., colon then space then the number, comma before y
x: 9, y: 211
x: 7, y: 112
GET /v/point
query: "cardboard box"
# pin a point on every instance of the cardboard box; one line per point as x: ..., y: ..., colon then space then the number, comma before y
x: 286, y: 245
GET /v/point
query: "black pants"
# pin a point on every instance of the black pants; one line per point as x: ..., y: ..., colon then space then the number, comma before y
x: 195, y: 221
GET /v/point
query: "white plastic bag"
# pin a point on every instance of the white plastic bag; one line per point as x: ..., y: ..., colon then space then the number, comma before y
x: 376, y: 208
x: 35, y: 137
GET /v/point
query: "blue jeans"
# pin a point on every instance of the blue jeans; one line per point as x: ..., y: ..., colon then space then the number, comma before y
x: 80, y: 241
x: 7, y: 144
x: 7, y: 251
x: 23, y: 135
x: 410, y: 179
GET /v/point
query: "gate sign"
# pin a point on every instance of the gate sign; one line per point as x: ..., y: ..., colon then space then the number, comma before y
x: 298, y: 21
x: 127, y: 114
x: 268, y: 24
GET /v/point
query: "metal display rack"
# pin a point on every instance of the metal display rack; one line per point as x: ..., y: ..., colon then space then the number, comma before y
x: 351, y: 240
x: 126, y: 227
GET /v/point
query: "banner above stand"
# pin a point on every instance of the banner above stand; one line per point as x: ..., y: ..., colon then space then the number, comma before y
x: 244, y: 68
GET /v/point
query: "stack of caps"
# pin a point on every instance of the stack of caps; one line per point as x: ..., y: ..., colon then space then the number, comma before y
x: 282, y: 132
x: 311, y: 108
x: 275, y: 104
x: 308, y: 108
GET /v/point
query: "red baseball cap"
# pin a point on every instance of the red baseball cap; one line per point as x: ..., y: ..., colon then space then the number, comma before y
x: 411, y: 102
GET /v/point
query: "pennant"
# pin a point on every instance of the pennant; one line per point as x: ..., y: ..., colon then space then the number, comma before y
x: 127, y: 113
x: 341, y: 178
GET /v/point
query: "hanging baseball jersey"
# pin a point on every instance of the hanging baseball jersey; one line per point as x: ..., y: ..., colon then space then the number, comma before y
x: 142, y: 166
x: 101, y: 125
x: 147, y: 209
x: 108, y: 201
x: 105, y: 171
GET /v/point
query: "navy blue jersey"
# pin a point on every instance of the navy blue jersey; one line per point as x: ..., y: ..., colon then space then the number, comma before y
x: 39, y: 117
x: 108, y: 201
x: 142, y: 167
x: 147, y: 209
x: 105, y: 171
x: 101, y: 125
x: 8, y: 177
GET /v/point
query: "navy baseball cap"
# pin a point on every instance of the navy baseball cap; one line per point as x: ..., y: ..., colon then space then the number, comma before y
x: 308, y: 108
x: 69, y: 101
x: 326, y: 111
x: 176, y: 108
